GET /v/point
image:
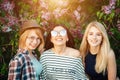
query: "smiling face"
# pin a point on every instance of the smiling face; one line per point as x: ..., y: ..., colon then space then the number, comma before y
x: 94, y: 37
x: 32, y: 40
x: 59, y: 36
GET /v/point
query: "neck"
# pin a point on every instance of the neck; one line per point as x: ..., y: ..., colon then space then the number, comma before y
x: 94, y: 50
x: 30, y: 53
x: 59, y: 49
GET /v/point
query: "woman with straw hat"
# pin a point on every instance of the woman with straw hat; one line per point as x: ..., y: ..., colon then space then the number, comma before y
x: 24, y: 65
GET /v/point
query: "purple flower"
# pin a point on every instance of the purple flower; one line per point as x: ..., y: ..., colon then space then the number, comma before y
x: 7, y: 6
x: 106, y: 9
x: 11, y: 20
x: 77, y: 14
x: 46, y: 15
x: 6, y: 29
x: 58, y: 12
x: 43, y: 4
x: 112, y: 2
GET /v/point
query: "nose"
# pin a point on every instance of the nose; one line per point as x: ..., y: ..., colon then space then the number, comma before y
x: 35, y: 41
x: 58, y: 34
x: 94, y: 36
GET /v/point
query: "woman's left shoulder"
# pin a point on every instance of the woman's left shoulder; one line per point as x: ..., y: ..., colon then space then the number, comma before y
x: 75, y: 52
x: 111, y: 54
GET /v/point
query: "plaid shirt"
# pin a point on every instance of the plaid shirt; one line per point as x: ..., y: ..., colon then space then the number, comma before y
x: 21, y: 68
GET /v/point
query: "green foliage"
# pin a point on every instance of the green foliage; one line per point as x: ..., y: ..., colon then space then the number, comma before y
x: 8, y: 47
x: 3, y: 69
x: 25, y: 10
x: 118, y: 67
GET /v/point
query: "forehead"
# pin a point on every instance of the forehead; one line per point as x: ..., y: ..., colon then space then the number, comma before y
x: 32, y: 33
x: 58, y: 28
x: 94, y: 29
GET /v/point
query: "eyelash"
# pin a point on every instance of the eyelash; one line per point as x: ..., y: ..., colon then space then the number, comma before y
x: 92, y: 34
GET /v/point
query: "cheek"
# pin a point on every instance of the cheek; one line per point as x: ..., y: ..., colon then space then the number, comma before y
x: 27, y: 42
x: 51, y: 39
x: 39, y: 42
x: 88, y: 38
x: 100, y: 39
x: 66, y: 37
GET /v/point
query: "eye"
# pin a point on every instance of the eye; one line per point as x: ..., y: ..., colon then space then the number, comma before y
x: 99, y: 34
x: 63, y: 32
x: 90, y: 33
x: 32, y: 38
x: 54, y: 33
x: 38, y: 39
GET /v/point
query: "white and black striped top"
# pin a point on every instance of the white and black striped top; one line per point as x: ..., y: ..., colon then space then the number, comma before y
x: 57, y: 67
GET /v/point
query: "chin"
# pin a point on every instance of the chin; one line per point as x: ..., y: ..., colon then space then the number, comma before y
x: 94, y: 45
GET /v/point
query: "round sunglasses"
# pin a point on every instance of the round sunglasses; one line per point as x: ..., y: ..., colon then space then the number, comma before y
x: 55, y: 33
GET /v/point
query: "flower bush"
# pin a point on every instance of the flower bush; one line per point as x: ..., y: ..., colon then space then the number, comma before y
x: 75, y: 14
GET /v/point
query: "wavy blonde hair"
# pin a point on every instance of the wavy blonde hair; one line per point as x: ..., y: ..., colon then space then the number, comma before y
x: 102, y: 56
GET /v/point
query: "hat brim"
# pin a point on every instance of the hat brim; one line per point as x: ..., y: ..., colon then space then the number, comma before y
x: 28, y: 28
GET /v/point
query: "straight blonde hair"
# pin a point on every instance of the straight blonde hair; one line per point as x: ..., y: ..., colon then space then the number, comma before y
x: 102, y: 55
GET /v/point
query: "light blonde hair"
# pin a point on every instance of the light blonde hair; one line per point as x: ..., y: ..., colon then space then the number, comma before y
x: 102, y: 55
x: 24, y: 35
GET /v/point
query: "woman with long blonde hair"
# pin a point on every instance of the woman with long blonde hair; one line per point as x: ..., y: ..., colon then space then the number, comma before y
x: 98, y: 57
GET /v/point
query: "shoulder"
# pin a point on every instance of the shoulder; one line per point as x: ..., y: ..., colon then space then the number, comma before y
x: 46, y: 51
x: 111, y: 66
x: 20, y: 57
x: 111, y: 54
x: 74, y: 52
x: 111, y: 57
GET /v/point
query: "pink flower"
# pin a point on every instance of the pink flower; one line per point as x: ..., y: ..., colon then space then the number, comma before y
x: 58, y: 12
x: 46, y: 15
x: 44, y: 23
x: 112, y: 2
x: 43, y: 4
x: 62, y: 3
x: 11, y: 20
x: 77, y: 14
x: 6, y: 29
x: 7, y: 6
x: 106, y: 9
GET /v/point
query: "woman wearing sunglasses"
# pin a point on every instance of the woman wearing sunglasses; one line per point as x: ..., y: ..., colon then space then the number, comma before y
x: 61, y: 61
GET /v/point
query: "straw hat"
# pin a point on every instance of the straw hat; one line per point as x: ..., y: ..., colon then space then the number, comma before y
x: 29, y: 24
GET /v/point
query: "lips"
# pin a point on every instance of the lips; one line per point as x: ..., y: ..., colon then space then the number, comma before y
x: 59, y: 39
x: 33, y: 46
x: 94, y: 41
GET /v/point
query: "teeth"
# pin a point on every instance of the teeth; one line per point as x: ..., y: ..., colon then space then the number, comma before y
x: 58, y: 39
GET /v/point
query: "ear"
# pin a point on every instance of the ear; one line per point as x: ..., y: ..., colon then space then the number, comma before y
x: 67, y: 39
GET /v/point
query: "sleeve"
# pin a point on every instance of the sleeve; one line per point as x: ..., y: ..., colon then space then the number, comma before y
x: 21, y: 69
x: 14, y: 70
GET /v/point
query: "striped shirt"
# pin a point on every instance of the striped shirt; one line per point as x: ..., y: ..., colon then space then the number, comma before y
x: 21, y: 68
x: 57, y: 67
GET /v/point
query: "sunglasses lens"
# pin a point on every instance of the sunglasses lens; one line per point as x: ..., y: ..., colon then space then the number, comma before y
x: 63, y: 32
x: 53, y: 33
